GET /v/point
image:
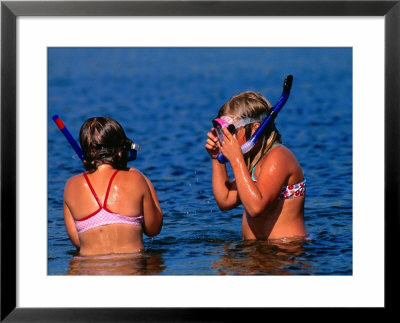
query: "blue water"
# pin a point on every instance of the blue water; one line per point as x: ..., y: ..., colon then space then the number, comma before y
x: 165, y: 98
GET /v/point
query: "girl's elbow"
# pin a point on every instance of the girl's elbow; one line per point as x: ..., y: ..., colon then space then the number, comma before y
x: 252, y: 214
x: 225, y: 206
x: 257, y: 208
x: 154, y: 229
x: 76, y: 242
x: 153, y: 232
x: 255, y: 211
x: 74, y: 238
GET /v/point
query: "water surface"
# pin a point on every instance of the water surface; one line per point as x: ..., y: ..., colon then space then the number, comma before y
x: 165, y: 98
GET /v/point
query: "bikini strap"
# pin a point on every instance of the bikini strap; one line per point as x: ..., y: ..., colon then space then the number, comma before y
x: 254, y: 167
x: 109, y: 187
x: 252, y: 173
x: 91, y: 189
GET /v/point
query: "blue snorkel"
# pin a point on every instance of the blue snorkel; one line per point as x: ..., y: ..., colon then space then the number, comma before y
x: 68, y: 136
x: 247, y: 146
x: 132, y: 151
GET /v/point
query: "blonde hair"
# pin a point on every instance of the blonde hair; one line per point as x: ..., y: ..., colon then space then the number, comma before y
x: 252, y: 104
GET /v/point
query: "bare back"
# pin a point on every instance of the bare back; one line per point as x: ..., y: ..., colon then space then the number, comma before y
x: 129, y: 196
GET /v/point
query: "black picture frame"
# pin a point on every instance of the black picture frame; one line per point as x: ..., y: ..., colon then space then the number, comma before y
x: 10, y: 10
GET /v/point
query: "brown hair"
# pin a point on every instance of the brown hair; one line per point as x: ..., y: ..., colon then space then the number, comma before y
x: 103, y: 141
x: 252, y: 104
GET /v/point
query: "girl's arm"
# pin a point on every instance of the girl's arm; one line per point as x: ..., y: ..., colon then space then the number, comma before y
x: 224, y: 190
x: 255, y: 197
x: 153, y: 194
x: 153, y: 217
x: 70, y: 226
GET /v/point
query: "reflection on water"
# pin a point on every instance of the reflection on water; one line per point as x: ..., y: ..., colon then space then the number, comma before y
x: 255, y: 257
x: 117, y: 264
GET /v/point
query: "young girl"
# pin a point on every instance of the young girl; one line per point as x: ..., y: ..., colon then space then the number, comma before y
x: 107, y: 208
x: 269, y: 181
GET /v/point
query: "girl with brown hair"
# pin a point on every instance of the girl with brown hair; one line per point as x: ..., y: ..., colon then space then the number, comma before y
x: 110, y: 206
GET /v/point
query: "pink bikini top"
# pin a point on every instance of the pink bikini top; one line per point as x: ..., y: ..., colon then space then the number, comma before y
x: 104, y: 216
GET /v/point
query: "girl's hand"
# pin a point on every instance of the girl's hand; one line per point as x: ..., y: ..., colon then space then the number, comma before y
x: 212, y: 144
x: 230, y: 147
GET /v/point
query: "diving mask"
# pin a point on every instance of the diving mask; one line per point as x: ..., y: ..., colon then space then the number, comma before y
x: 227, y: 122
x: 132, y: 152
x: 223, y: 122
x: 266, y: 119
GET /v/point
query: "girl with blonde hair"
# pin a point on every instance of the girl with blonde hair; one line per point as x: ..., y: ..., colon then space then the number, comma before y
x: 268, y: 180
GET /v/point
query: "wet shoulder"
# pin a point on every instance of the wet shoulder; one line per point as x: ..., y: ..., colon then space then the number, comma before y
x: 76, y: 180
x: 282, y: 156
x: 74, y: 186
x: 281, y: 153
x: 132, y: 176
x: 279, y: 160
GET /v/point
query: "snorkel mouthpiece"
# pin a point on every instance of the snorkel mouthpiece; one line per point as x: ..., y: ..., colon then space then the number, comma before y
x: 273, y: 113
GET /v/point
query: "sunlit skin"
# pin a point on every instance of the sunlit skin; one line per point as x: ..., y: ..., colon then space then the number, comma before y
x: 265, y: 215
x: 131, y: 194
